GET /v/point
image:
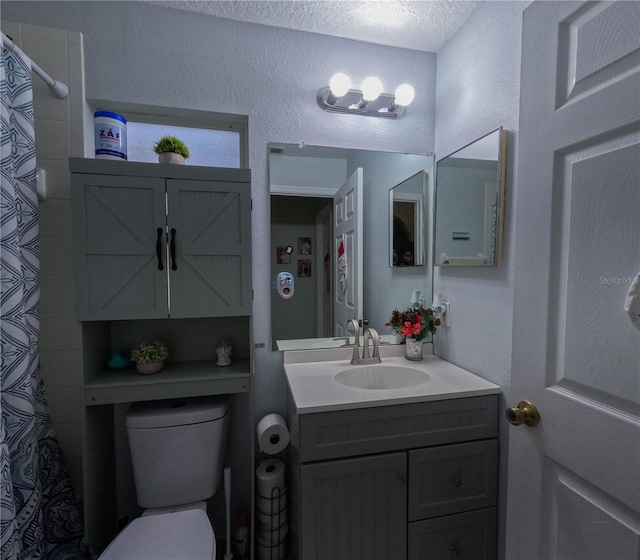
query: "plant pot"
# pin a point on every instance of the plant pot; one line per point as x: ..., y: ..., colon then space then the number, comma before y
x: 413, y: 350
x: 148, y: 368
x: 171, y: 157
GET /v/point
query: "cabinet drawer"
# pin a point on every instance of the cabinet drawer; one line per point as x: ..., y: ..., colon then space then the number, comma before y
x: 348, y: 433
x: 465, y: 536
x: 452, y: 478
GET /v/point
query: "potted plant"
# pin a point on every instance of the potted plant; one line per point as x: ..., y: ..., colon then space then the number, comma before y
x: 150, y: 356
x: 171, y: 150
x: 414, y: 324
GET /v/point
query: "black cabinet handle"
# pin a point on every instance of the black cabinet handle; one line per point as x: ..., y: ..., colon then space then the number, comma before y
x: 172, y: 249
x: 159, y: 249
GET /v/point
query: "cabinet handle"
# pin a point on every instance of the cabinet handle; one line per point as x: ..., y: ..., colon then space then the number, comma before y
x: 456, y: 481
x: 402, y: 478
x: 159, y: 249
x: 454, y: 551
x: 172, y: 249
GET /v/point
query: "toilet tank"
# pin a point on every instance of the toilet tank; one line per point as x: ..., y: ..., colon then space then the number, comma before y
x: 178, y: 448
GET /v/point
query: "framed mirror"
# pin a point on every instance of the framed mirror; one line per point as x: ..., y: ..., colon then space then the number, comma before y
x: 469, y: 203
x: 406, y: 221
x: 315, y: 191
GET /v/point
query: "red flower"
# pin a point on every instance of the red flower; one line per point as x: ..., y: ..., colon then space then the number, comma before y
x: 414, y: 323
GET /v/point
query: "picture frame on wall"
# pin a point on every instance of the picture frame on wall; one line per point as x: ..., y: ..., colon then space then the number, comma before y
x: 304, y: 268
x: 304, y: 245
x: 283, y: 255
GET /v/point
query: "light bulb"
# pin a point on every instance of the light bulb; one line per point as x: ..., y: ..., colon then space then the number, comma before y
x: 371, y: 89
x: 339, y: 84
x: 404, y: 95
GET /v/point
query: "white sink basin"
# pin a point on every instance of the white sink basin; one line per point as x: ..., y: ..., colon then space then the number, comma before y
x: 381, y: 377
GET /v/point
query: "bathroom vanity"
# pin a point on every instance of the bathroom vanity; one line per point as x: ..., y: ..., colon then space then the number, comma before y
x: 405, y: 473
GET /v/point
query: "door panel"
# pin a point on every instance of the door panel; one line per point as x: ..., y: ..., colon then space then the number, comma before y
x: 212, y: 228
x: 607, y: 528
x: 355, y: 509
x: 116, y: 227
x: 347, y: 213
x: 576, y: 355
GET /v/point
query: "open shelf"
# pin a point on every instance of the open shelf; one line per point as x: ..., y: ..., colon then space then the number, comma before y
x: 176, y: 380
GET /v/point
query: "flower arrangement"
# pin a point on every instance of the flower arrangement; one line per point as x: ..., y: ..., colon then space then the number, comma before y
x: 171, y: 144
x: 145, y: 352
x: 414, y: 323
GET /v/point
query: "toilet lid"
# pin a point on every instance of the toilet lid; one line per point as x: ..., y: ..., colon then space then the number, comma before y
x: 186, y: 535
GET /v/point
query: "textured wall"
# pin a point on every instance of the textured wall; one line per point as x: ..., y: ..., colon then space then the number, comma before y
x: 478, y: 89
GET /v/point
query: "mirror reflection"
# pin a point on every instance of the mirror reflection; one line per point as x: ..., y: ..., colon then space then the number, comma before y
x: 330, y: 239
x: 470, y: 203
x: 406, y: 204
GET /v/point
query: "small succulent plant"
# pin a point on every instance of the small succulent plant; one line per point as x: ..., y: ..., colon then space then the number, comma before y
x: 171, y: 144
x: 154, y: 351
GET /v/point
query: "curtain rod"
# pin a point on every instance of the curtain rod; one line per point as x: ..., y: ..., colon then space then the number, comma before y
x: 58, y: 88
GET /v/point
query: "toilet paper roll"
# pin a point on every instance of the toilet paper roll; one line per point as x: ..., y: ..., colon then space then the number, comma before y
x: 270, y: 479
x: 273, y: 434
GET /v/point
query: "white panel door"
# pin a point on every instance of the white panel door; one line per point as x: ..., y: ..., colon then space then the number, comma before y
x: 574, y: 480
x: 347, y: 212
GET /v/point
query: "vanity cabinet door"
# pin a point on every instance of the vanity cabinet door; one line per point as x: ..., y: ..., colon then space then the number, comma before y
x: 116, y: 221
x: 354, y: 509
x: 209, y: 248
x: 464, y: 536
x: 452, y: 478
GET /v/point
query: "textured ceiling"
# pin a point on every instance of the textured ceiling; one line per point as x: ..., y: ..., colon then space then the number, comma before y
x: 423, y: 25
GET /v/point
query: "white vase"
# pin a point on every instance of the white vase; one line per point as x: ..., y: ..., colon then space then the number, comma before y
x: 413, y: 350
x: 171, y: 157
x: 148, y: 368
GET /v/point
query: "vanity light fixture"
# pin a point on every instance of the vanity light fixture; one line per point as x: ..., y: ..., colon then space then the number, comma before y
x: 369, y: 101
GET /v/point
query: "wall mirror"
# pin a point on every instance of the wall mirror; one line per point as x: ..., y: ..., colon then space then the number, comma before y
x: 406, y: 221
x: 469, y: 203
x: 330, y: 241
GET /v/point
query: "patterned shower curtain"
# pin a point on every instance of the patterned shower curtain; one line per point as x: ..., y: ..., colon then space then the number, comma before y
x: 40, y: 517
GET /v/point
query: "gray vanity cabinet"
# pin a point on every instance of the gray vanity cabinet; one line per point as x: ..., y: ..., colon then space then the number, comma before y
x: 157, y: 241
x: 407, y: 482
x: 355, y: 508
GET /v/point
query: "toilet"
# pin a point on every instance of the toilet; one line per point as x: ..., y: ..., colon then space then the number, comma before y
x: 177, y: 450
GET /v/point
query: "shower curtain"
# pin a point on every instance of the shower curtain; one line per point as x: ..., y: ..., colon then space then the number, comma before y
x: 39, y: 515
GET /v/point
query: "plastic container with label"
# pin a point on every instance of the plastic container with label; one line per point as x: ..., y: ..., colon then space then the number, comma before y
x: 110, y: 135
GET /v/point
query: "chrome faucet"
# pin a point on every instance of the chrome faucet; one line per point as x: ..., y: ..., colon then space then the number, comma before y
x: 369, y: 335
x: 354, y: 325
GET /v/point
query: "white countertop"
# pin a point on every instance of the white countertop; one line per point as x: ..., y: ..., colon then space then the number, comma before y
x: 310, y: 375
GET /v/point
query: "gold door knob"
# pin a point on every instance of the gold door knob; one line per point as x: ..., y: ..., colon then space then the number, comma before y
x: 524, y: 413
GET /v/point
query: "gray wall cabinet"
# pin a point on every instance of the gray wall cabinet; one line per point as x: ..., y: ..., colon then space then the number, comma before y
x: 406, y: 482
x: 154, y: 241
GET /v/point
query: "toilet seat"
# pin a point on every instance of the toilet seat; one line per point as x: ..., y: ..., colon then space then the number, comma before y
x: 186, y: 535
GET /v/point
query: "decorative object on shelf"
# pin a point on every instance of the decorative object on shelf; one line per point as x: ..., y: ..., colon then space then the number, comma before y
x: 224, y: 354
x: 414, y: 324
x: 150, y: 356
x: 119, y: 360
x: 171, y: 150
